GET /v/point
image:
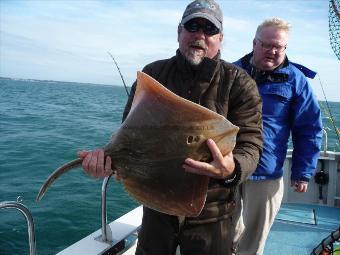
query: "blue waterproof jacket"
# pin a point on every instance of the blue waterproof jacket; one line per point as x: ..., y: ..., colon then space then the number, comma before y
x: 288, y: 107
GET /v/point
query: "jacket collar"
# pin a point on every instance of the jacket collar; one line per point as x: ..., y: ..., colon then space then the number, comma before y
x: 197, y: 79
x: 260, y: 76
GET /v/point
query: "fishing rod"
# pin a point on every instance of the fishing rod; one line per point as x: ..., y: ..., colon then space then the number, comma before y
x: 329, y: 112
x: 121, y: 76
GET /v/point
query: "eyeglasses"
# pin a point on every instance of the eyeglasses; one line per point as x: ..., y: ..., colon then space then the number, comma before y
x: 268, y: 46
x: 208, y: 28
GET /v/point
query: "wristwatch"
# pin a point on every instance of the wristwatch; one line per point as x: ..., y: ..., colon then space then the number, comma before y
x: 234, y: 178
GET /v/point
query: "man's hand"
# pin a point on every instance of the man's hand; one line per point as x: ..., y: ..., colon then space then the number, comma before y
x: 221, y: 167
x: 299, y: 186
x: 93, y: 163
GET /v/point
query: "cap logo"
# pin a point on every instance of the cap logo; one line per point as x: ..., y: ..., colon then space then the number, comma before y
x: 205, y: 5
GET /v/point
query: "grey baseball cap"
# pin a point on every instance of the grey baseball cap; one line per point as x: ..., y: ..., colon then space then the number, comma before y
x: 207, y: 9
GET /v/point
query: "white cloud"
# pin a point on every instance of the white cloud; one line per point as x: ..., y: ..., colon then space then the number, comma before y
x: 68, y: 40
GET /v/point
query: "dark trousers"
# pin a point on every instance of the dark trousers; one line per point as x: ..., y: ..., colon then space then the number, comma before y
x: 160, y: 234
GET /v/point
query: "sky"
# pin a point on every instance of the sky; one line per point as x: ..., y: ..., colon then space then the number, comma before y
x: 68, y: 40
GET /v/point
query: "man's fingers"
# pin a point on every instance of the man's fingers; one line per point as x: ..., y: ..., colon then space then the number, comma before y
x: 302, y: 187
x: 195, y: 164
x: 299, y: 186
x: 100, y: 159
x: 198, y: 171
x: 197, y: 167
x: 82, y: 154
x: 86, y: 162
x: 108, y: 163
x: 93, y: 163
x: 215, y: 151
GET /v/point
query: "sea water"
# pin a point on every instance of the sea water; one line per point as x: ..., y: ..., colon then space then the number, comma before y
x: 42, y: 126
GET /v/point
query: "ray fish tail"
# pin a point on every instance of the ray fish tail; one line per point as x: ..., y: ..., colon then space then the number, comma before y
x: 56, y: 174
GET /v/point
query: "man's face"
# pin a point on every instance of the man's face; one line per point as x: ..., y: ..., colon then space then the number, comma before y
x: 194, y: 46
x: 269, y: 48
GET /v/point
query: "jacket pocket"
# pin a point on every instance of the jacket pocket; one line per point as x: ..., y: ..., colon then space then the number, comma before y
x: 276, y: 99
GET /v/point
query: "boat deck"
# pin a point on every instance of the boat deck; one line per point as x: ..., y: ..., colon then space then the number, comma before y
x: 299, y: 228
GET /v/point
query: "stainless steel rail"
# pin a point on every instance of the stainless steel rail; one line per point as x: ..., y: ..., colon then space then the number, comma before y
x: 106, y: 231
x: 30, y: 224
x: 325, y: 140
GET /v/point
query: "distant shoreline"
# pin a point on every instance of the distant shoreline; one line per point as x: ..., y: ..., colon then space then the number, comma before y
x: 85, y: 83
x: 54, y: 81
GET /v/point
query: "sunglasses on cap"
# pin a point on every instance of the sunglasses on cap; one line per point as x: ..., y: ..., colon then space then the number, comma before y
x: 208, y: 28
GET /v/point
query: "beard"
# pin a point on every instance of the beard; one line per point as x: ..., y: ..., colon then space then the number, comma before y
x: 196, y: 52
x: 194, y: 59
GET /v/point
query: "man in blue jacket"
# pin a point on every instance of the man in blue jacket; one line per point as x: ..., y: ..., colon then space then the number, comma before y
x: 288, y: 107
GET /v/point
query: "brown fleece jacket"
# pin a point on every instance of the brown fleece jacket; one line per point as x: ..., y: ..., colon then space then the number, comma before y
x: 229, y: 91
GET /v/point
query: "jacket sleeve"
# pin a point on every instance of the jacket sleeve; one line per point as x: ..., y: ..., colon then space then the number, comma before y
x: 245, y: 111
x: 306, y: 132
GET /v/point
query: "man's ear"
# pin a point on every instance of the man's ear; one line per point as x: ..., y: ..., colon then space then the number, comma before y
x: 254, y: 42
x: 179, y: 30
x: 221, y: 37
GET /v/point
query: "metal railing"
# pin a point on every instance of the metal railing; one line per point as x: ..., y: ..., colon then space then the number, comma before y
x: 30, y: 224
x: 325, y: 139
x: 106, y: 230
